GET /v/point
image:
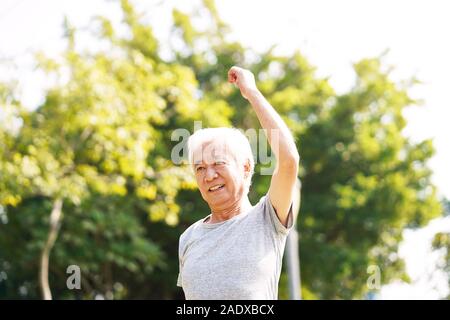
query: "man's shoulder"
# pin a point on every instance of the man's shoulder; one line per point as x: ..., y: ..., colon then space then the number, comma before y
x: 191, y: 229
x: 259, y: 206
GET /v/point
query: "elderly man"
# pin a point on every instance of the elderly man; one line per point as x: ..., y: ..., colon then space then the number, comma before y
x: 236, y: 251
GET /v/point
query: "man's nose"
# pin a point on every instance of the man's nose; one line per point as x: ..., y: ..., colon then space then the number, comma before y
x: 210, y: 174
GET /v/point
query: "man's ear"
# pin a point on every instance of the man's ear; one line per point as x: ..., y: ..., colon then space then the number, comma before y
x: 246, y: 168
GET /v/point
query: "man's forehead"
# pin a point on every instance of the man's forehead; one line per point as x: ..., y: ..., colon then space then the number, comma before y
x: 212, y: 150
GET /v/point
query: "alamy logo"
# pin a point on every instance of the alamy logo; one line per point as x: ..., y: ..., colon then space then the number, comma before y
x: 257, y: 139
x: 74, y: 280
x: 374, y: 280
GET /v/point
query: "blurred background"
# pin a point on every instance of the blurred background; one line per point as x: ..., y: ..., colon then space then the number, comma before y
x: 91, y: 91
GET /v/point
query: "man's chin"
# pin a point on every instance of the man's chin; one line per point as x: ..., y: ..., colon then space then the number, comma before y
x: 216, y: 200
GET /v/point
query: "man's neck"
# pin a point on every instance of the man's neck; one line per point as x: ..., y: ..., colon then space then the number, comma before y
x: 219, y: 215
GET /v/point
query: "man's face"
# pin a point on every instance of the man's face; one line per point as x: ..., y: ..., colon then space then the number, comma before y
x: 220, y: 177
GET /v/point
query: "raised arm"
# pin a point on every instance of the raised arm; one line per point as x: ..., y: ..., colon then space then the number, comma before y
x: 282, y: 185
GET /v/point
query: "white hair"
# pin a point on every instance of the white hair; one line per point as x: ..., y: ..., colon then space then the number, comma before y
x: 234, y: 138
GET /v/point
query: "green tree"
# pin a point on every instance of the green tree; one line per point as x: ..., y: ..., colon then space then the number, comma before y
x: 100, y: 146
x: 96, y: 150
x: 364, y: 182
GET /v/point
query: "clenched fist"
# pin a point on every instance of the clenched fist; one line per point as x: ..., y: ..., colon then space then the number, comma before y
x: 244, y: 80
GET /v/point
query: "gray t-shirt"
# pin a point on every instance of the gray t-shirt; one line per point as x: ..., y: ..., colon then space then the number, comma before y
x: 237, y: 259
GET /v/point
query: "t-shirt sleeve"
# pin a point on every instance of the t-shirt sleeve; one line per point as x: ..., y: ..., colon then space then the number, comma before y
x: 180, y: 265
x: 179, y: 279
x: 271, y: 215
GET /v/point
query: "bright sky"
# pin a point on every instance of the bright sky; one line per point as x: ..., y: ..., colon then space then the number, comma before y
x: 427, y: 282
x: 332, y: 34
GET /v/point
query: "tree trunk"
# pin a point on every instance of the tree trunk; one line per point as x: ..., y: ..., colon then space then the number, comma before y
x: 55, y: 219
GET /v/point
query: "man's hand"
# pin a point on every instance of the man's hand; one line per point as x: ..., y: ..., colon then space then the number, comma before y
x: 244, y: 79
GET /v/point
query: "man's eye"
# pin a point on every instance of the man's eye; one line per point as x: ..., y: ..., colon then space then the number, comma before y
x: 200, y: 168
x: 220, y: 162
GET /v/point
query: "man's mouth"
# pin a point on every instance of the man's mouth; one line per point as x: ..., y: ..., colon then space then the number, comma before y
x: 216, y: 188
